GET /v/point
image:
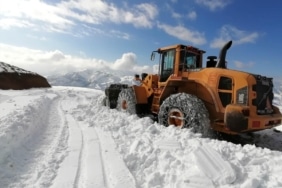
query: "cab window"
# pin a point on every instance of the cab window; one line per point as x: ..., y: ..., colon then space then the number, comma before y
x: 225, y: 90
x: 188, y: 60
x: 167, y: 63
x: 191, y: 61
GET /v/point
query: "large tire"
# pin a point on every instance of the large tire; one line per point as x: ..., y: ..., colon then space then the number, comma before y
x: 127, y: 101
x: 184, y: 111
x: 112, y: 93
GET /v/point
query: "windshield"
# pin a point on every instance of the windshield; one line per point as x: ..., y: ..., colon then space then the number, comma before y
x: 188, y: 60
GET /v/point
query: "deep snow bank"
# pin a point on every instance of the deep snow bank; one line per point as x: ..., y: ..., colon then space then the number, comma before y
x: 161, y: 156
x: 18, y: 122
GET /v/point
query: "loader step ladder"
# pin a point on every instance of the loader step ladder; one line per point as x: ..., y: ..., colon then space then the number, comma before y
x: 156, y: 100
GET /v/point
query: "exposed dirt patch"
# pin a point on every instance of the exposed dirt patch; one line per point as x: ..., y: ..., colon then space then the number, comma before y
x: 12, y: 77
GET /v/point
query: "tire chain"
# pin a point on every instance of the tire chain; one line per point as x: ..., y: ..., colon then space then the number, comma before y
x: 128, y: 96
x: 196, y: 114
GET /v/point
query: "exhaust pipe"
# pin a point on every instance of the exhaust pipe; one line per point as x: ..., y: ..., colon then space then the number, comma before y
x: 222, y: 55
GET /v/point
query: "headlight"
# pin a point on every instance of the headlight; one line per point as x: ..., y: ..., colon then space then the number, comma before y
x: 242, y: 96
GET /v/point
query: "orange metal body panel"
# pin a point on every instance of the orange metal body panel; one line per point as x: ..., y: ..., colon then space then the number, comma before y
x: 140, y: 94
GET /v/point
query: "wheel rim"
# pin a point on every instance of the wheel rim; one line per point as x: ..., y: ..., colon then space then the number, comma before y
x: 124, y: 105
x: 176, y: 117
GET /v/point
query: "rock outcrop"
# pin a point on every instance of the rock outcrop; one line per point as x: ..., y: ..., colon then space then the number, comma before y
x: 12, y: 77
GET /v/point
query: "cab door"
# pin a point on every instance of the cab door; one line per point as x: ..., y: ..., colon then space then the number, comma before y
x: 167, y: 62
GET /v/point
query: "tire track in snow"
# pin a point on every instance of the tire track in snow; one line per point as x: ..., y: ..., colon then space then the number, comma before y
x: 55, y: 138
x: 83, y: 147
x: 80, y: 159
x: 68, y: 173
x: 92, y: 167
x: 117, y: 172
x: 99, y: 164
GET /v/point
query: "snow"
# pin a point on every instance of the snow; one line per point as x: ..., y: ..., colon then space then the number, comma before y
x: 4, y: 67
x: 64, y: 137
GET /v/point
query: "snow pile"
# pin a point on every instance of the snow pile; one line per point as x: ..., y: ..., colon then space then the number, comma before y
x: 214, y: 167
x: 278, y: 92
x: 24, y: 124
x: 164, y: 157
x: 64, y: 137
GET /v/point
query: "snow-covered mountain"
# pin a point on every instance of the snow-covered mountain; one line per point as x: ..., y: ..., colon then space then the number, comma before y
x: 90, y: 79
x: 4, y: 67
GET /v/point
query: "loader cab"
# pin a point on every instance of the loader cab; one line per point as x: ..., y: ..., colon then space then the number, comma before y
x: 177, y: 59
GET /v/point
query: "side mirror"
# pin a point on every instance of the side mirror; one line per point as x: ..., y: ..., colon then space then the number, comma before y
x: 153, y: 56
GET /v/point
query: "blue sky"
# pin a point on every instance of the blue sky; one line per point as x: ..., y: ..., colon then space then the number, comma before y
x: 52, y: 36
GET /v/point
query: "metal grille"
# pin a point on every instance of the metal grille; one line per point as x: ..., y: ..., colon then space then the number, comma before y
x: 264, y: 90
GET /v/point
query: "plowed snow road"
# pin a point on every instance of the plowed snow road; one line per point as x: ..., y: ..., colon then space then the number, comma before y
x: 89, y: 150
x: 63, y: 137
x: 54, y: 146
